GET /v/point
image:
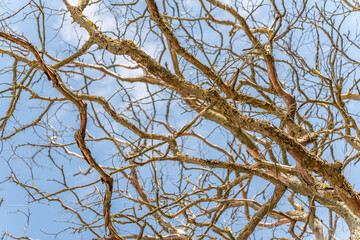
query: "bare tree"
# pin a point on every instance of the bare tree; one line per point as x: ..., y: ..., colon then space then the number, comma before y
x: 183, y: 119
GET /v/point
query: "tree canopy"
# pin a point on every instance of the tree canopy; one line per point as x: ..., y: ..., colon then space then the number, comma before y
x: 178, y: 119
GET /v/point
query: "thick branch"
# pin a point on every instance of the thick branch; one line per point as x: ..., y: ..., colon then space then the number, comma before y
x: 265, y: 209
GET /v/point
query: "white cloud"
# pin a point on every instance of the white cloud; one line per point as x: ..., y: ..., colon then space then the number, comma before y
x: 72, y: 33
x: 103, y: 19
